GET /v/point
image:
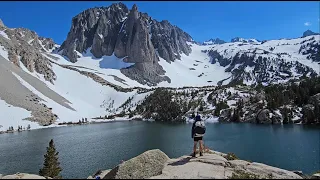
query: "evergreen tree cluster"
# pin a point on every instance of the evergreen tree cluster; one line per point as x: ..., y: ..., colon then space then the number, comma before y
x: 162, y: 106
x: 219, y: 106
x: 238, y: 111
x: 294, y: 93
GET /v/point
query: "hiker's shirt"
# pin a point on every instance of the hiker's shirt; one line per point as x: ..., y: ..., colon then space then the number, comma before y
x: 193, y: 133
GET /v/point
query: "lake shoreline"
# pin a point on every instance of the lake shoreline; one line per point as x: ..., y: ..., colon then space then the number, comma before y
x: 101, y: 121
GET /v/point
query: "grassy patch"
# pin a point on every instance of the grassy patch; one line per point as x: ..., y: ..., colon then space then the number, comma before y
x: 239, y: 174
x: 231, y: 156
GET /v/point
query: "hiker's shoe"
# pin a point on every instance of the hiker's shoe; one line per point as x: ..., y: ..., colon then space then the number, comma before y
x: 201, y: 154
x: 193, y: 154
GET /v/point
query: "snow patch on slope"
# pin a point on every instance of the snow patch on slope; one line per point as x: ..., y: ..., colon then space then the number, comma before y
x: 4, y: 53
x: 4, y: 34
x: 193, y: 70
x: 13, y: 116
x: 111, y: 67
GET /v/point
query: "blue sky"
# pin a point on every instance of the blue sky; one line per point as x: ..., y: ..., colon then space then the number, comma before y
x: 202, y: 20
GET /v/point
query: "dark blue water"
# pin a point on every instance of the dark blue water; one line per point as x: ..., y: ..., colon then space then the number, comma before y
x: 85, y: 149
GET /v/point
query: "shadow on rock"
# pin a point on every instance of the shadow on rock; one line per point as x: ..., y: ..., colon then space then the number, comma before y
x: 180, y: 162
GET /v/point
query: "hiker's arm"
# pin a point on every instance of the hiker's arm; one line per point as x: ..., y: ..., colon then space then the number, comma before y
x: 192, y: 130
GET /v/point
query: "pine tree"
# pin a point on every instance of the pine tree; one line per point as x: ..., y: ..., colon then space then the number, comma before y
x: 51, y: 164
x: 317, y: 112
x: 201, y: 108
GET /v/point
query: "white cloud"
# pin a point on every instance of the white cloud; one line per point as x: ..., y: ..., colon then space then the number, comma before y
x: 307, y: 24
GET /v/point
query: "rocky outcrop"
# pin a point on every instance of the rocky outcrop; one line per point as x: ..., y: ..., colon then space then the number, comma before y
x: 26, y: 46
x: 170, y: 41
x: 263, y: 117
x: 225, y: 115
x: 213, y: 165
x: 23, y: 176
x: 131, y: 35
x: 308, y: 114
x: 155, y: 164
x: 315, y: 176
x: 146, y: 165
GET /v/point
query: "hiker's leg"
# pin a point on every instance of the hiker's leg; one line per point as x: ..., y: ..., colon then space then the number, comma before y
x: 195, y: 146
x: 201, y: 146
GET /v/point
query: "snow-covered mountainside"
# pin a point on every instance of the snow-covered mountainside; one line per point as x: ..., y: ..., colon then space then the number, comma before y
x: 114, y: 58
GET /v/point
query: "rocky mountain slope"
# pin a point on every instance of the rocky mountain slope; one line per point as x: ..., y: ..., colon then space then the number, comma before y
x: 25, y: 46
x: 119, y: 56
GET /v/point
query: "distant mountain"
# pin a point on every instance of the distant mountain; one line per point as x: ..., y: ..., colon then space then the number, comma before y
x: 309, y: 33
x: 238, y: 39
x: 214, y: 41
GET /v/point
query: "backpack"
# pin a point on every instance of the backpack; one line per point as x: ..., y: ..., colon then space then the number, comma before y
x: 200, y: 129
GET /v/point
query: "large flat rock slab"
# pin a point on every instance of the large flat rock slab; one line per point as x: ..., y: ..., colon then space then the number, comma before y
x: 23, y: 176
x: 277, y: 173
x: 192, y: 170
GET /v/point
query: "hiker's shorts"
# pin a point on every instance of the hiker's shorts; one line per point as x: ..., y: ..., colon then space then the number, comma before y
x: 196, y: 139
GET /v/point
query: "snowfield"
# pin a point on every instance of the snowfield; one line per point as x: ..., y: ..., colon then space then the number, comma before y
x: 186, y: 72
x: 13, y: 116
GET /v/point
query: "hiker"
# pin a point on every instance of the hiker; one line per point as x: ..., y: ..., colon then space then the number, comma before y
x: 197, y: 133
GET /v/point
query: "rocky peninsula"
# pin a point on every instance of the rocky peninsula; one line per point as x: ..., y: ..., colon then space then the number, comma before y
x: 155, y: 164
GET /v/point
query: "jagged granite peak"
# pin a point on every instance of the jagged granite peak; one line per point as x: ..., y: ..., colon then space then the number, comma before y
x: 214, y: 41
x: 135, y: 42
x: 132, y: 35
x: 97, y: 28
x: 101, y: 33
x: 309, y: 33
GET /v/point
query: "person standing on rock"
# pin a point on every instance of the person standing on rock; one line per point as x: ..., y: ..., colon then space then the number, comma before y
x: 197, y: 132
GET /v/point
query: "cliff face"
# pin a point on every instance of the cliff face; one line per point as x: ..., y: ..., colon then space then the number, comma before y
x: 131, y: 35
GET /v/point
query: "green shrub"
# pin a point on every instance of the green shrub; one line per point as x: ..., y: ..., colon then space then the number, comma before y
x: 231, y: 156
x: 239, y: 174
